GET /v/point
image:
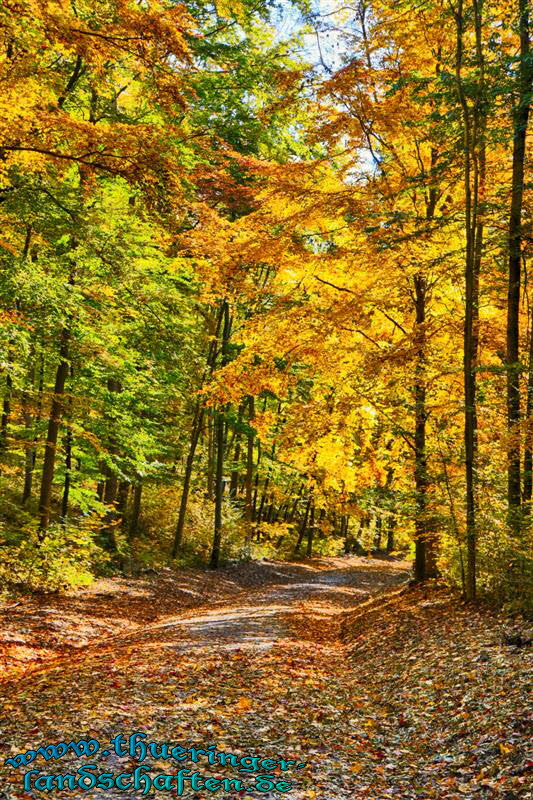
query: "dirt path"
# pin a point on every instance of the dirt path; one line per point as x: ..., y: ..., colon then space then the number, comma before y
x: 421, y: 699
x: 253, y: 677
x: 40, y: 629
x: 266, y: 617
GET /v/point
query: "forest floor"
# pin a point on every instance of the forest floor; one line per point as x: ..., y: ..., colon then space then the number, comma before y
x: 383, y: 690
x: 43, y: 627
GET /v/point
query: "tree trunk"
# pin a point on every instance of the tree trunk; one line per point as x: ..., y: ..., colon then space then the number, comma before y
x: 256, y: 482
x: 54, y: 423
x: 390, y: 534
x: 421, y: 480
x: 195, y: 435
x: 249, y: 461
x: 122, y: 499
x: 379, y: 529
x: 345, y: 534
x: 110, y: 487
x: 474, y: 179
x: 68, y: 461
x: 303, y: 528
x: 294, y: 508
x: 521, y: 112
x: 210, y: 456
x: 220, y: 447
x: 68, y: 469
x: 6, y: 405
x: 262, y: 503
x: 234, y: 482
x: 199, y: 416
x: 100, y: 486
x: 219, y: 489
x: 426, y: 542
x: 31, y: 426
x: 528, y: 446
x: 311, y: 532
x: 111, y: 482
x: 135, y: 511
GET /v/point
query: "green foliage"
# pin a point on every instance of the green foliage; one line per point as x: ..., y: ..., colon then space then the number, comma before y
x: 217, y: 259
x: 67, y: 556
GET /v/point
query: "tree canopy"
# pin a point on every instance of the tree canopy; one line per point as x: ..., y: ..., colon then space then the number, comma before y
x: 265, y: 286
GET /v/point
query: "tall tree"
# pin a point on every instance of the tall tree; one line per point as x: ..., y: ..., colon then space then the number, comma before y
x: 520, y: 118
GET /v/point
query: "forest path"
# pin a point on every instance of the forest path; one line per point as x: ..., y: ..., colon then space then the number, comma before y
x: 265, y: 617
x: 421, y: 697
x: 43, y: 629
x: 254, y: 676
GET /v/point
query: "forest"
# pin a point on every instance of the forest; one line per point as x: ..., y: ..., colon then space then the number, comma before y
x: 266, y: 399
x: 265, y: 287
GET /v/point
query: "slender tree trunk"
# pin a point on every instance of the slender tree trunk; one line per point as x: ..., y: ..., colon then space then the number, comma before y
x: 110, y: 487
x: 455, y: 524
x: 210, y: 455
x: 256, y: 482
x: 6, y: 405
x: 111, y: 482
x: 249, y: 460
x: 219, y: 489
x: 470, y: 358
x: 345, y: 534
x: 135, y: 511
x: 311, y: 532
x: 379, y: 528
x: 294, y: 508
x: 390, y: 534
x: 319, y: 531
x: 29, y: 422
x: 426, y: 542
x: 68, y: 461
x: 479, y: 175
x: 68, y: 469
x: 521, y: 112
x: 262, y: 503
x: 264, y: 496
x: 528, y: 446
x: 122, y: 499
x: 303, y: 528
x: 54, y: 423
x: 421, y: 478
x: 474, y: 173
x: 358, y: 544
x: 198, y: 419
x: 220, y: 446
x: 195, y: 435
x: 29, y: 418
x: 270, y: 510
x: 234, y: 481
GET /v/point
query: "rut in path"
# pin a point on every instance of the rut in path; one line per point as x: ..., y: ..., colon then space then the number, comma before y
x: 264, y: 676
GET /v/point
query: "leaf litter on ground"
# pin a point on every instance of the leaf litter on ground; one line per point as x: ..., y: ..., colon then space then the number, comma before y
x: 403, y: 694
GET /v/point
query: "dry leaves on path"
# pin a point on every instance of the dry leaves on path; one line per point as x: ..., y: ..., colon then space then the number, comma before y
x: 404, y: 706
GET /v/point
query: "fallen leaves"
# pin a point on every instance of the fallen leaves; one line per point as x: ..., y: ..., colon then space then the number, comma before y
x: 243, y: 704
x: 403, y: 707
